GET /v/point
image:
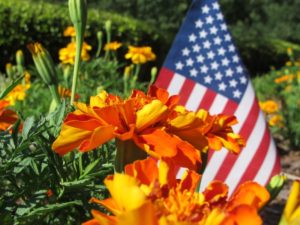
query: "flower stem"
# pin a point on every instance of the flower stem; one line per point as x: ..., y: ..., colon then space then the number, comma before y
x: 79, y: 40
x: 127, y: 152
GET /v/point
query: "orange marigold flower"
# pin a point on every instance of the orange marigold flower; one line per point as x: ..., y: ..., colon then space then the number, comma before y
x: 140, y: 55
x: 269, y: 106
x: 150, y: 194
x: 66, y: 93
x: 153, y: 122
x: 67, y: 54
x: 112, y: 46
x: 284, y: 78
x: 49, y: 193
x: 7, y: 116
x: 70, y: 32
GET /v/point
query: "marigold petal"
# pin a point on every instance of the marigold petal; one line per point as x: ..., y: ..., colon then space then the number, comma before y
x: 125, y: 191
x: 99, y: 136
x: 69, y: 139
x: 104, y: 219
x: 216, y: 192
x: 151, y: 114
x: 243, y: 215
x: 144, y: 170
x: 249, y: 193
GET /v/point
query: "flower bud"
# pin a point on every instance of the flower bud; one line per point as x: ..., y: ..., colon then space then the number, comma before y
x: 20, y: 61
x: 107, y: 27
x: 43, y: 62
x: 275, y: 185
x: 9, y: 70
x: 153, y: 74
x: 78, y: 14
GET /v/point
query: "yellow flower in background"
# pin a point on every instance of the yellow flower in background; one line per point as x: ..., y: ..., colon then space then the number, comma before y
x: 70, y: 32
x: 291, y: 213
x: 112, y: 46
x: 269, y: 106
x: 67, y: 54
x: 27, y: 77
x: 276, y: 120
x: 140, y: 55
x: 18, y: 93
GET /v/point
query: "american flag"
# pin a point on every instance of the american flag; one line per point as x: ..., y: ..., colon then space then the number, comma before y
x: 205, y: 69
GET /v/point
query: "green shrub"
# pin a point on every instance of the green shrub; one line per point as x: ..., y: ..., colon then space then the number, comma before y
x: 25, y: 21
x: 283, y: 87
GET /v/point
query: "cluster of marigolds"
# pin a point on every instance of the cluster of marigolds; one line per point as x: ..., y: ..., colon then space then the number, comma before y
x: 148, y: 192
x: 155, y: 136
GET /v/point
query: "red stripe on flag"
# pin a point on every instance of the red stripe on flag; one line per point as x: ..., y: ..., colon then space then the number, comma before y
x: 185, y: 91
x: 207, y: 99
x: 164, y: 78
x: 230, y: 107
x: 258, y: 158
x: 245, y: 132
x: 276, y: 169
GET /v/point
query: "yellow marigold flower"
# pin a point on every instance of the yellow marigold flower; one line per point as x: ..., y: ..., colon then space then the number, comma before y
x: 291, y: 213
x: 150, y: 122
x: 112, y: 46
x: 276, y: 120
x: 150, y: 194
x: 140, y: 55
x: 17, y: 94
x: 269, y: 106
x: 70, y: 32
x: 67, y: 54
x: 27, y: 77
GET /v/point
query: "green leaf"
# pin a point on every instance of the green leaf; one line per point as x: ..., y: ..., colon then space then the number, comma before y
x: 27, y: 126
x: 76, y: 183
x: 10, y: 87
x: 89, y: 168
x: 49, y: 208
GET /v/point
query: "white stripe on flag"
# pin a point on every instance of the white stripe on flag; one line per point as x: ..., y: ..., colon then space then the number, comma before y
x: 176, y: 84
x: 217, y: 158
x: 246, y: 155
x: 244, y: 108
x: 218, y: 105
x: 195, y: 97
x: 266, y: 168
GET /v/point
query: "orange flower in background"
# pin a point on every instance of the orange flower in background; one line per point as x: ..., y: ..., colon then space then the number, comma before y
x: 150, y: 194
x: 112, y: 46
x: 67, y: 54
x: 152, y: 122
x: 66, y: 93
x: 269, y: 106
x: 140, y: 55
x: 70, y: 32
x: 7, y: 116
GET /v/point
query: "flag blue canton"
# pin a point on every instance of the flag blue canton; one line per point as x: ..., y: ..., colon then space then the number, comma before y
x: 204, y: 52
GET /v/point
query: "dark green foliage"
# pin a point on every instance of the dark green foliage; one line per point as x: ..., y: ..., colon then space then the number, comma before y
x: 37, y: 185
x: 26, y: 21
